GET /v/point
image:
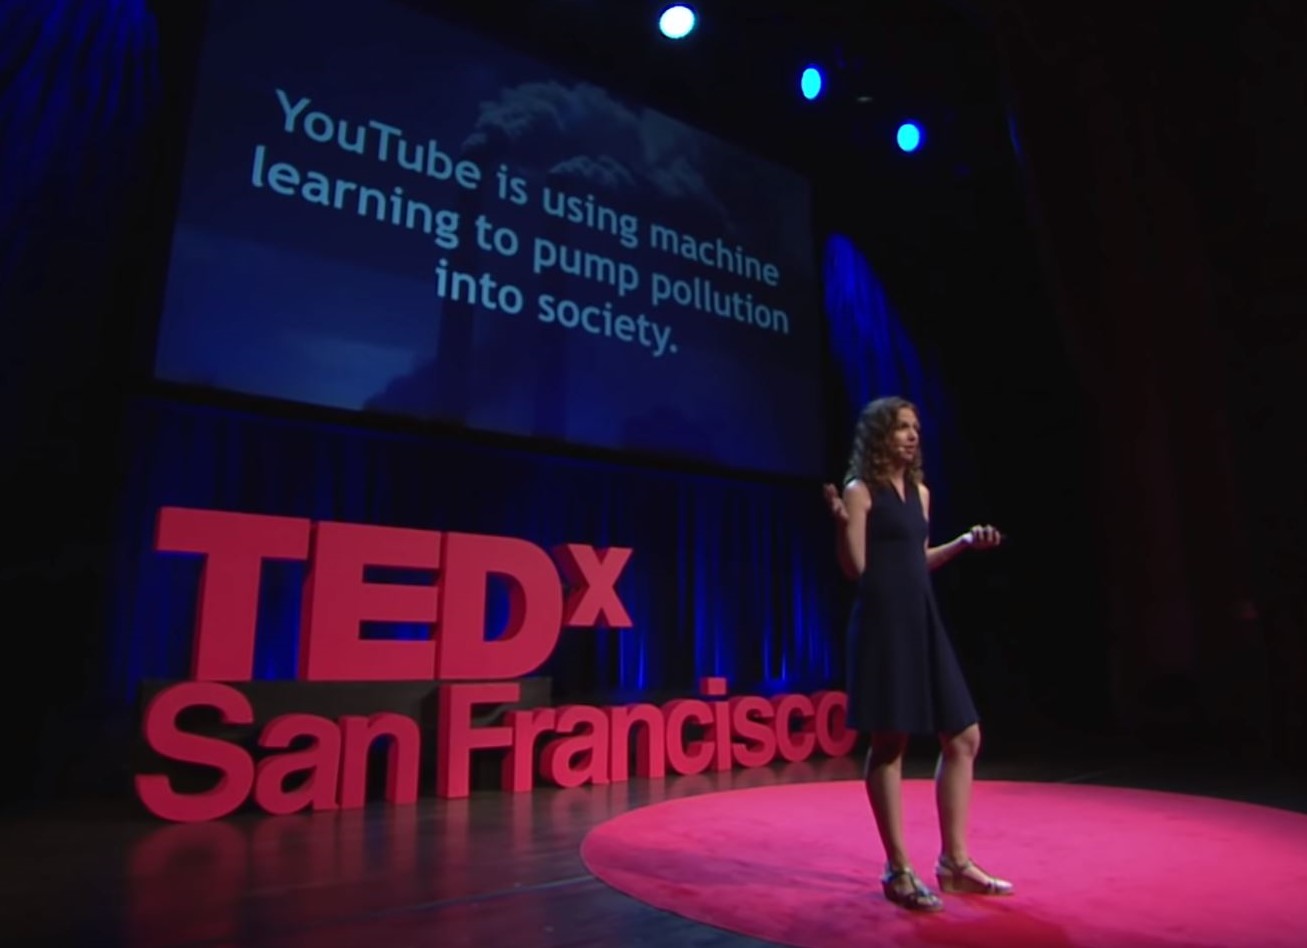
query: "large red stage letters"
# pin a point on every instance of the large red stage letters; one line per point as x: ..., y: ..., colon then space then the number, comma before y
x: 567, y: 746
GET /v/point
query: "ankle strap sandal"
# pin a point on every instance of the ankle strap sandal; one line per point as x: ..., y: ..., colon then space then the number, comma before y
x: 967, y: 878
x: 903, y: 888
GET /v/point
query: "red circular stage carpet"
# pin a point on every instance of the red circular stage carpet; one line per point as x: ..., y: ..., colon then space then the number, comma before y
x: 1093, y: 866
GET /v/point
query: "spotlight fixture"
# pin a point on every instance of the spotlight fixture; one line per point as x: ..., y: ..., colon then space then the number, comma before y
x: 677, y: 21
x: 909, y: 136
x: 810, y: 83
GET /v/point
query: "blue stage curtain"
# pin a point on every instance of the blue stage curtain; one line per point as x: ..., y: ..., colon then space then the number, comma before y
x: 875, y: 355
x: 730, y: 576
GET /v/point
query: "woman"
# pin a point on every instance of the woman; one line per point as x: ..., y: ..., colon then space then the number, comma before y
x: 903, y: 677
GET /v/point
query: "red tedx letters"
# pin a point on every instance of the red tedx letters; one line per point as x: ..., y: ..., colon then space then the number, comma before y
x: 587, y: 744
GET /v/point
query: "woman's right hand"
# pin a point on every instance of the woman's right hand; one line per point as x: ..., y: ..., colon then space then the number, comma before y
x: 835, y: 503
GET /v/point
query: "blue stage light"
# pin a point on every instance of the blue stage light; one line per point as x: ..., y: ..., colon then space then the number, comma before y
x: 909, y: 136
x: 810, y: 83
x: 676, y: 21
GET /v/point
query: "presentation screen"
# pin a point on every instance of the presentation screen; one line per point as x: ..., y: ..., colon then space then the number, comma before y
x: 383, y: 213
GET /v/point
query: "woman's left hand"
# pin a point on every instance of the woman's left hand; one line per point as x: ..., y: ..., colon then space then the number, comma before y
x: 984, y: 537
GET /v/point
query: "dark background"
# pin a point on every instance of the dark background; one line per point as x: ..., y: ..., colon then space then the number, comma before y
x: 1097, y: 256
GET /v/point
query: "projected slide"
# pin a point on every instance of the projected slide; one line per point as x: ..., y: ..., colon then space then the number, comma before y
x: 382, y: 213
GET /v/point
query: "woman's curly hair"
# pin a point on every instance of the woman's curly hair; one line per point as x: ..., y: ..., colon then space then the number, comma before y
x: 869, y: 457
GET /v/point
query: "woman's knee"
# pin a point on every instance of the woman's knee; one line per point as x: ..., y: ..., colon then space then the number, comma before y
x: 965, y: 743
x: 886, y: 748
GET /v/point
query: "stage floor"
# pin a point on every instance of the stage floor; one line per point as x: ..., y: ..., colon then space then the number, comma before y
x: 489, y: 870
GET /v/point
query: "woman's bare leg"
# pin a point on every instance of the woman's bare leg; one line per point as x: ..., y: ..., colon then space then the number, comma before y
x: 953, y: 778
x: 883, y: 776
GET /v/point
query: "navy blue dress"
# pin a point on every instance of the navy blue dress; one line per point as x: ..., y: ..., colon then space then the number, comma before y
x: 902, y: 673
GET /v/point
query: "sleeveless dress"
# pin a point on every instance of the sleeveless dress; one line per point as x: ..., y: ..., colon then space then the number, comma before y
x: 902, y: 673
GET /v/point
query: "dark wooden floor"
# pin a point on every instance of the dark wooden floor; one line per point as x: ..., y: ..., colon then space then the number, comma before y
x: 496, y: 869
